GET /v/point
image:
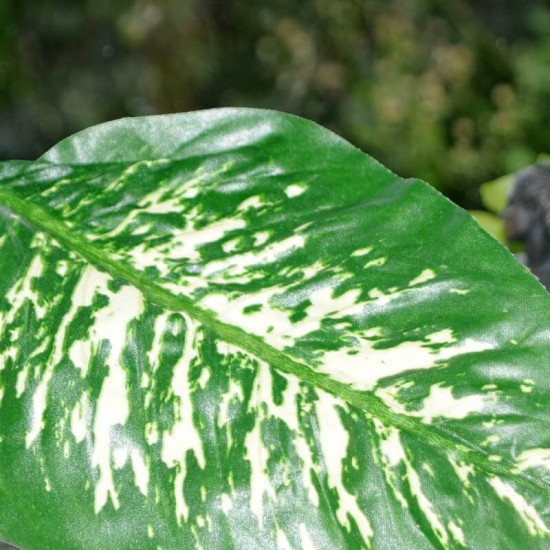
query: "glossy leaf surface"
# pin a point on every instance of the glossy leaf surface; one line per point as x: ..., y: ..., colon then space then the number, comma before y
x: 231, y: 329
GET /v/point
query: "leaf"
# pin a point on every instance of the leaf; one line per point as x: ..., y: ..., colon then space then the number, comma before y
x: 494, y: 194
x: 491, y: 223
x: 231, y: 329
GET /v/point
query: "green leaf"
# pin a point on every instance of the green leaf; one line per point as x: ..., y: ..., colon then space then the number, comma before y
x: 494, y: 194
x: 231, y: 329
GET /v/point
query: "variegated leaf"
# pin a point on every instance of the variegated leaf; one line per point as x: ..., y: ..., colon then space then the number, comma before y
x: 231, y: 329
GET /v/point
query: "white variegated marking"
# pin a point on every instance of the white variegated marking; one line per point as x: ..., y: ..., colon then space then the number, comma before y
x: 154, y: 353
x: 334, y: 441
x: 183, y: 436
x: 294, y: 190
x: 274, y: 324
x: 444, y: 336
x: 457, y: 533
x: 305, y: 454
x: 362, y: 251
x: 80, y: 354
x: 533, y: 458
x: 238, y: 264
x: 305, y: 538
x: 61, y: 268
x: 185, y: 244
x: 112, y: 407
x: 256, y: 453
x: 120, y: 457
x: 203, y: 378
x: 362, y: 365
x: 79, y: 418
x: 253, y: 202
x: 231, y: 312
x: 282, y: 541
x: 527, y: 513
x: 231, y: 246
x: 90, y: 282
x: 392, y: 448
x: 281, y: 331
x: 426, y: 506
x: 463, y: 471
x: 261, y: 237
x: 392, y: 454
x: 312, y: 270
x: 372, y: 333
x: 490, y: 440
x: 324, y: 304
x: 143, y: 256
x: 234, y: 391
x: 379, y: 298
x: 441, y: 402
x: 376, y: 263
x: 427, y: 468
x: 168, y: 198
x: 365, y: 366
x: 9, y: 353
x: 528, y: 385
x: 426, y: 275
x: 142, y: 229
x: 287, y: 410
x: 23, y: 290
x: 141, y: 471
x: 22, y: 375
x: 226, y: 503
x: 116, y: 185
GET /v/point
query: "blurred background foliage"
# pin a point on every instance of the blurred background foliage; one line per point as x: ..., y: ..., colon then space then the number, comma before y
x: 456, y: 92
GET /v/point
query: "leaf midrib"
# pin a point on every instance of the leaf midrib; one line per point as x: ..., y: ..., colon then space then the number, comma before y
x: 364, y: 400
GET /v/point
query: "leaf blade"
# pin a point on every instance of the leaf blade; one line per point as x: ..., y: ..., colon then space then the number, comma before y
x: 330, y: 310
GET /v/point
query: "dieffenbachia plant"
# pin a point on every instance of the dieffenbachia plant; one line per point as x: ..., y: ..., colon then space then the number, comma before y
x: 232, y: 329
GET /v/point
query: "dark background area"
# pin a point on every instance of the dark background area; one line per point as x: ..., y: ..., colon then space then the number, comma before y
x: 456, y: 92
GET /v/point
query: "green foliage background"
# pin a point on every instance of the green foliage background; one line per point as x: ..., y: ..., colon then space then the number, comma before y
x: 456, y: 92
